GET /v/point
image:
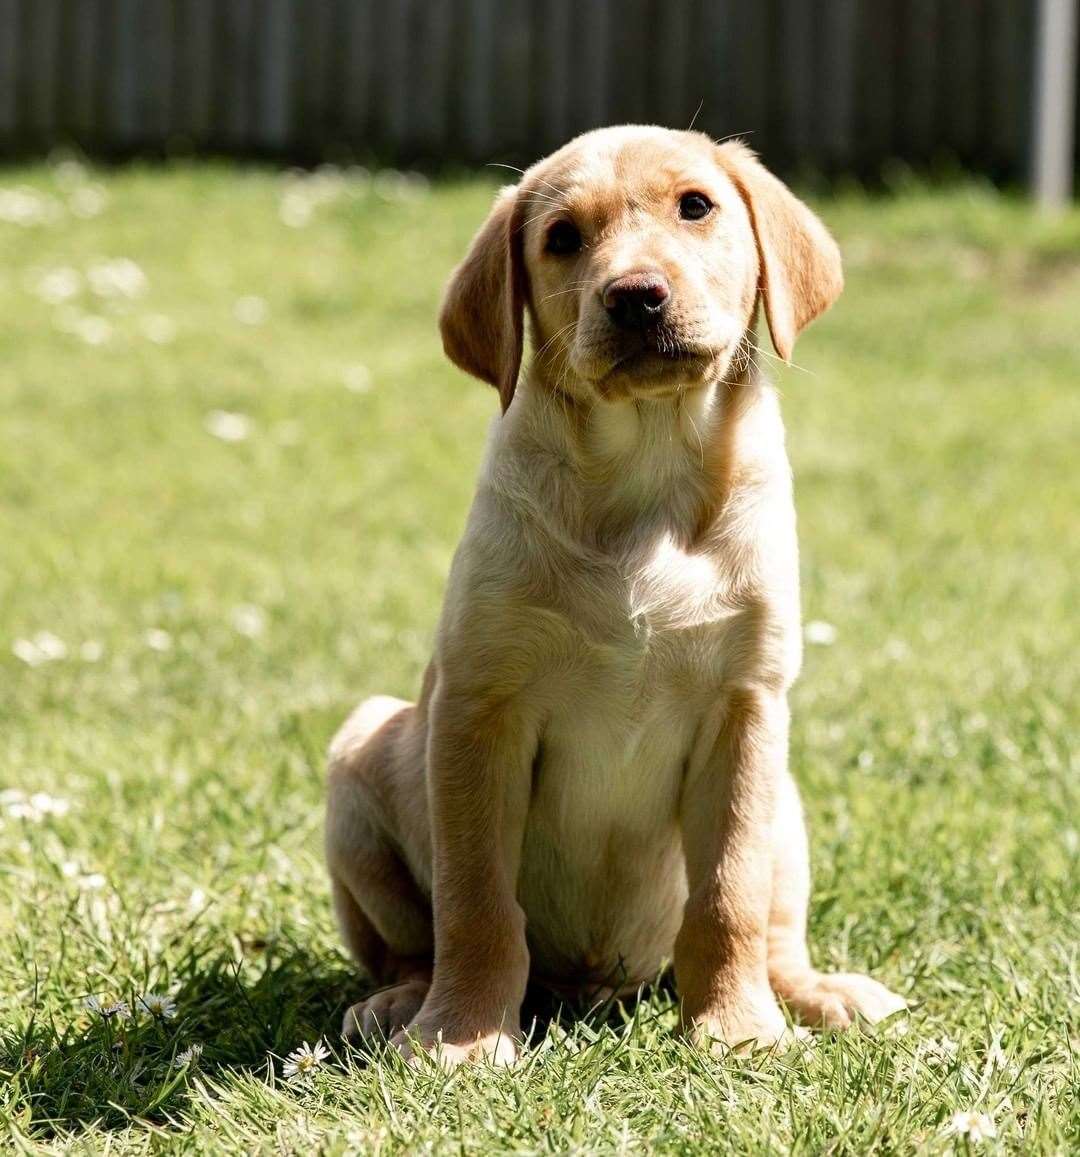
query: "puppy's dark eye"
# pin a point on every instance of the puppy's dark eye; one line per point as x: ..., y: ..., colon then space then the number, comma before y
x: 694, y: 206
x: 563, y: 239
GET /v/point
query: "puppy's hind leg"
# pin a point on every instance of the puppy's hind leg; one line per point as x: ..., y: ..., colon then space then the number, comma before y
x: 377, y: 844
x: 828, y: 1000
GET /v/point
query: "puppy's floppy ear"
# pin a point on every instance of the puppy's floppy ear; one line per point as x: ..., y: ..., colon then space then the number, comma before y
x: 800, y: 270
x: 482, y: 316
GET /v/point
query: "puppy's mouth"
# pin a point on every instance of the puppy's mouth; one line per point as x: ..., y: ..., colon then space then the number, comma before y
x: 660, y: 364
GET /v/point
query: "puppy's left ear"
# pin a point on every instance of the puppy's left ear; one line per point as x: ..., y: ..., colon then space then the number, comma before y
x: 482, y: 316
x: 800, y: 273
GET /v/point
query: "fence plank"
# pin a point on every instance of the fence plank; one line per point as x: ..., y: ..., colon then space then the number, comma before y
x: 555, y: 73
x: 430, y: 108
x: 10, y: 31
x: 155, y: 66
x: 122, y: 96
x: 874, y: 85
x: 197, y: 55
x: 631, y: 56
x: 958, y: 110
x: 1053, y: 149
x: 236, y: 72
x: 714, y: 66
x: 41, y: 42
x: 358, y: 35
x: 751, y: 74
x: 796, y: 77
x: 512, y: 78
x: 589, y: 97
x: 478, y: 72
x: 919, y: 79
x: 837, y: 72
x: 271, y: 77
x: 81, y: 62
x: 315, y: 59
x: 670, y: 59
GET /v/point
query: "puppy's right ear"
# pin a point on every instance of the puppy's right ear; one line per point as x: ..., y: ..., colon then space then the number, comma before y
x: 482, y: 316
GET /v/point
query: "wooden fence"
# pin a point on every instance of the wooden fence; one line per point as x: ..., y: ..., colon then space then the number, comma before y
x: 829, y: 84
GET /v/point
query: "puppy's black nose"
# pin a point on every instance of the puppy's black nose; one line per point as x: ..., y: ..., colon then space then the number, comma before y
x: 636, y: 300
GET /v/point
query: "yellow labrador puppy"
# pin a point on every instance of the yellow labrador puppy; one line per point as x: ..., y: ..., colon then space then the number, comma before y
x: 594, y: 779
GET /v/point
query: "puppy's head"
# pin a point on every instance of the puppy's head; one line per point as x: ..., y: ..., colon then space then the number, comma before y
x: 639, y: 255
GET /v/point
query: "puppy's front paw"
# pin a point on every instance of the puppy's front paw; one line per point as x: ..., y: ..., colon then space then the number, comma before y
x: 420, y: 1039
x: 753, y: 1023
x: 383, y: 1013
x: 838, y: 999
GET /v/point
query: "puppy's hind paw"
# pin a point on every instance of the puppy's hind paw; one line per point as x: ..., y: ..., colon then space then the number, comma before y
x: 838, y: 999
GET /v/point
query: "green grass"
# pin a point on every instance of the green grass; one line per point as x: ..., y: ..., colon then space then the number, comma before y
x: 934, y: 439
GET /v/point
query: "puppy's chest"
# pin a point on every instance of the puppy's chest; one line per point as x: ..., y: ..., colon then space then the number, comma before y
x: 657, y: 618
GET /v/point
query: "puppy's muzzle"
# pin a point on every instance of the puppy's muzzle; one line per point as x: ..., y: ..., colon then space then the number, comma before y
x: 637, y: 301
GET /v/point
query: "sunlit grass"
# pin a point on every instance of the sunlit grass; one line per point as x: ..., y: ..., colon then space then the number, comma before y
x: 230, y: 485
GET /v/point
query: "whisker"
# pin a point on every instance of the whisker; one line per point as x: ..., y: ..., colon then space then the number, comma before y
x: 693, y: 119
x: 732, y: 136
x: 773, y: 357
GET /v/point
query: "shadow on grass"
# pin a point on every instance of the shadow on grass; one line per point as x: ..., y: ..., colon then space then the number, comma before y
x: 107, y: 1071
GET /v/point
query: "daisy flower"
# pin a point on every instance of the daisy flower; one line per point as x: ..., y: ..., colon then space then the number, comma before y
x: 304, y: 1060
x: 158, y: 1004
x: 248, y: 620
x: 108, y: 1008
x: 941, y: 1051
x: 820, y: 633
x: 251, y: 310
x: 974, y: 1126
x: 189, y: 1056
x: 228, y: 426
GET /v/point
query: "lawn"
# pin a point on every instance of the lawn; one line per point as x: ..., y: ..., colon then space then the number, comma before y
x: 233, y: 468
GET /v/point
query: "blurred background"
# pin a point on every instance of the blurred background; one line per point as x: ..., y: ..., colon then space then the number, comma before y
x: 829, y: 86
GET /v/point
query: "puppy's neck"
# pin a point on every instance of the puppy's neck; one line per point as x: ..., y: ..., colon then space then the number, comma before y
x: 632, y: 467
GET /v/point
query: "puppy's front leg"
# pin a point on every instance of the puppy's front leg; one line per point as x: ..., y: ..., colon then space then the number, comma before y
x: 721, y: 950
x: 479, y: 761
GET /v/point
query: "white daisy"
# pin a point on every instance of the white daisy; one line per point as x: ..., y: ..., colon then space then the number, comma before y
x: 88, y: 201
x: 25, y: 206
x: 68, y: 171
x: 251, y: 310
x: 50, y: 805
x: 50, y: 646
x: 820, y: 633
x: 108, y: 1008
x: 248, y: 620
x: 304, y: 1060
x: 57, y: 285
x: 974, y: 1126
x: 91, y: 651
x: 296, y: 208
x: 18, y: 805
x: 119, y: 277
x: 227, y: 426
x: 44, y: 647
x: 93, y: 330
x: 158, y: 1004
x: 356, y: 378
x: 157, y: 639
x: 945, y: 1049
x: 189, y: 1056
